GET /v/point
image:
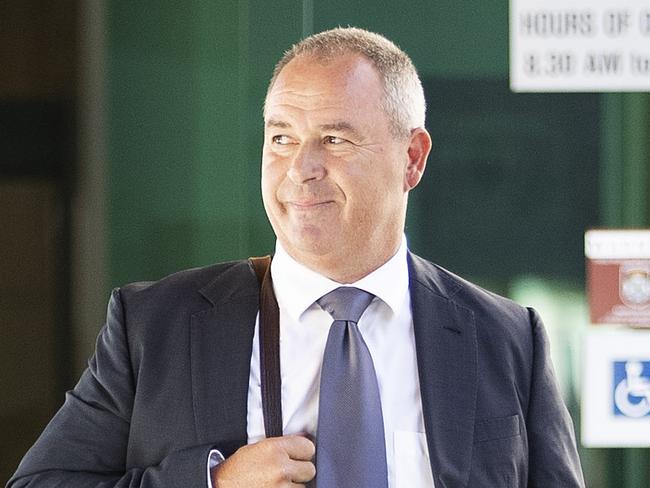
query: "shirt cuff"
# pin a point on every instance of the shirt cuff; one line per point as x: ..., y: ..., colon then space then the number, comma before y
x: 214, y: 459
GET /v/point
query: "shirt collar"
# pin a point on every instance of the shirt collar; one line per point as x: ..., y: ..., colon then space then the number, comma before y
x: 298, y: 287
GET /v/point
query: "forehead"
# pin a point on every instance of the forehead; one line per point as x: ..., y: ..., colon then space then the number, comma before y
x: 347, y: 82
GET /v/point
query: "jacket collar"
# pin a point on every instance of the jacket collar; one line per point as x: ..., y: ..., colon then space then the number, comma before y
x: 221, y: 347
x: 446, y: 348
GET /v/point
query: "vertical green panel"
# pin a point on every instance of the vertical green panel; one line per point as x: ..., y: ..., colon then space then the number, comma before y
x: 150, y: 156
x: 218, y: 187
x: 611, y: 173
x: 625, y: 159
x: 635, y: 194
x: 307, y: 17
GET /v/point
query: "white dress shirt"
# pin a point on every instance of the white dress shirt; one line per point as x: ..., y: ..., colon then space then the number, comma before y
x: 387, y: 329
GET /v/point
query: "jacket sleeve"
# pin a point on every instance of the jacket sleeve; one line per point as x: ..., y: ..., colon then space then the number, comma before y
x: 85, y: 444
x: 553, y: 457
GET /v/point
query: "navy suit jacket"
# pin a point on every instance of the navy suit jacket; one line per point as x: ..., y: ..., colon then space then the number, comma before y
x: 169, y: 381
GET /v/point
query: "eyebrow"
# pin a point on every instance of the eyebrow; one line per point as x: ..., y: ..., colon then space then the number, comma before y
x: 279, y: 124
x: 341, y: 126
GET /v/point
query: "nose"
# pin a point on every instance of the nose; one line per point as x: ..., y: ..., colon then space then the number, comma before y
x: 307, y: 164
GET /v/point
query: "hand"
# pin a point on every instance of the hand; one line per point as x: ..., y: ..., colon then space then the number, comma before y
x: 276, y: 462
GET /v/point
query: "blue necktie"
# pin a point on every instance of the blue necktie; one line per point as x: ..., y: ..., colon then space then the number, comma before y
x: 350, y: 447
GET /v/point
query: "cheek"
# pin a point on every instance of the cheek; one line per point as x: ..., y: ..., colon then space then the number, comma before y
x: 383, y: 196
x: 385, y: 184
x: 269, y: 194
x: 271, y: 176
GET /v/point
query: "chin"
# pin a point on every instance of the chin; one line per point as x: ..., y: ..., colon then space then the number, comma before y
x: 312, y: 248
x: 308, y: 247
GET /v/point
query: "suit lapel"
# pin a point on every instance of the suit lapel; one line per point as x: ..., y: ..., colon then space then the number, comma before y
x: 222, y: 339
x: 445, y: 338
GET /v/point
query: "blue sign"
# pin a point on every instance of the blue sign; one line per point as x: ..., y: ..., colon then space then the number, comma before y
x: 632, y: 389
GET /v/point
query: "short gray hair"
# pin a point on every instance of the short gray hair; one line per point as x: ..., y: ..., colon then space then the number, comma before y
x: 404, y: 103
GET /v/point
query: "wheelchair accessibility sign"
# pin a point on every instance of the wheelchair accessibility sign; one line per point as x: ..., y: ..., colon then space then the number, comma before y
x: 615, y: 400
x: 632, y: 388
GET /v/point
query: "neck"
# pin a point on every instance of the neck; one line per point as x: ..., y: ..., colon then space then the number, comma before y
x: 346, y: 269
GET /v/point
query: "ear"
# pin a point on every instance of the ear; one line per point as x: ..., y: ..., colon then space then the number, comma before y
x: 418, y: 151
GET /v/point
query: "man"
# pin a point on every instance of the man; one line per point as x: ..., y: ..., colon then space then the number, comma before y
x: 463, y: 386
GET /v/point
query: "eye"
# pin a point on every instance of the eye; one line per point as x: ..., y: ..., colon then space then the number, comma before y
x: 334, y: 140
x: 282, y: 140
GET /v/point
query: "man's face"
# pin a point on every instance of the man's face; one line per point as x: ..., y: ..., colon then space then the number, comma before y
x: 334, y: 177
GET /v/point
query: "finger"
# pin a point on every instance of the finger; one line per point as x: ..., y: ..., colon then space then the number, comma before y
x: 298, y: 447
x: 301, y: 471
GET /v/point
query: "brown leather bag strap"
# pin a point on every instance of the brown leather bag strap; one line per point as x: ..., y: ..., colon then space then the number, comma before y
x: 269, y: 336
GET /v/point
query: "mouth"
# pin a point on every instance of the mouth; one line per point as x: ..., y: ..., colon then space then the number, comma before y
x: 309, y: 205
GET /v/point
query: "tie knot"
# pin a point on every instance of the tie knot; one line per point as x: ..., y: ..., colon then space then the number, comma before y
x: 346, y: 303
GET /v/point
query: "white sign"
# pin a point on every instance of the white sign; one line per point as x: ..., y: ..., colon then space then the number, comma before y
x: 579, y: 45
x: 616, y: 389
x: 617, y: 244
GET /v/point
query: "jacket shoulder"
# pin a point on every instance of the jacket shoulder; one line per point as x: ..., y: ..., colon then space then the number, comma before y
x: 215, y: 283
x: 484, y: 304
